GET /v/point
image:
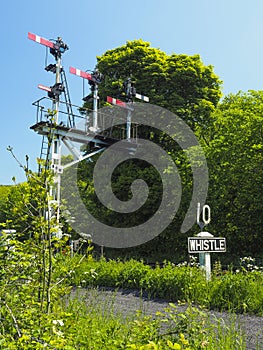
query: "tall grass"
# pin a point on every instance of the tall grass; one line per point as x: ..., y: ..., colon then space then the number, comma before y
x: 95, y: 324
x: 238, y: 292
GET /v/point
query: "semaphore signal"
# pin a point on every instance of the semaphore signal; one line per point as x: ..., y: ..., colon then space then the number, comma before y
x: 80, y: 73
x: 57, y: 48
x: 130, y: 93
x: 116, y: 102
x: 98, y: 137
x: 40, y: 40
x: 94, y: 79
x: 53, y: 91
x: 43, y: 87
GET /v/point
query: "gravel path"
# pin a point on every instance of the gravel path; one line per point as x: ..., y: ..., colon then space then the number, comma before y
x: 128, y: 302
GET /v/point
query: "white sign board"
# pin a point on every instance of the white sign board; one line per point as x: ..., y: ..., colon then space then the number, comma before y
x: 206, y: 245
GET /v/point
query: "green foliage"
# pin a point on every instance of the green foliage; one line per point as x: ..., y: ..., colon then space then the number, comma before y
x: 4, y: 191
x: 36, y: 314
x: 234, y: 156
x: 35, y: 273
x: 226, y: 291
x: 238, y: 292
x: 183, y: 85
x: 92, y: 323
x: 28, y: 291
x: 83, y: 321
x: 180, y: 83
x: 230, y: 132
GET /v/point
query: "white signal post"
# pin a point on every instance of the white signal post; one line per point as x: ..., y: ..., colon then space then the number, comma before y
x: 116, y: 102
x: 95, y: 108
x: 56, y: 146
x: 56, y: 49
x: 129, y: 116
x: 93, y: 78
x: 59, y: 132
x: 130, y: 93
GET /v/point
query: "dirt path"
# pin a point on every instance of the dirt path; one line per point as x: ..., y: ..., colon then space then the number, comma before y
x: 128, y: 302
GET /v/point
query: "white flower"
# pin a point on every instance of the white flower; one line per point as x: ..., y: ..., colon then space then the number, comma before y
x: 58, y: 322
x: 93, y: 273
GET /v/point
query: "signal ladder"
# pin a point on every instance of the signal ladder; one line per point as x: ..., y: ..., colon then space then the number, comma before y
x: 44, y: 151
x: 46, y: 144
x: 67, y: 99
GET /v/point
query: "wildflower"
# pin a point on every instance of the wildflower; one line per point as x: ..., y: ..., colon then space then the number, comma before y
x: 204, y: 344
x: 183, y: 340
x: 93, y: 273
x: 58, y: 322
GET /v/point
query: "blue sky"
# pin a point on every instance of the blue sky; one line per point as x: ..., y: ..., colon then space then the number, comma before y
x: 227, y: 34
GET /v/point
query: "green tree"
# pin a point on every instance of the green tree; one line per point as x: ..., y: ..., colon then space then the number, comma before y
x: 178, y: 82
x: 235, y: 158
x: 183, y: 85
x: 4, y: 191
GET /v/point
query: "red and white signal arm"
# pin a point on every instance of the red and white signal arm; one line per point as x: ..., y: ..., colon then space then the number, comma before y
x: 40, y: 40
x: 43, y: 87
x: 80, y: 73
x: 116, y: 102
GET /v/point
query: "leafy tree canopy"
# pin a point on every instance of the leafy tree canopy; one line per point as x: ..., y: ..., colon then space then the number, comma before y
x: 178, y: 82
x: 235, y: 158
x: 4, y: 191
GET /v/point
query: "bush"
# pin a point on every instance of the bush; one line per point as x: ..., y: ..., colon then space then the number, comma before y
x: 238, y: 292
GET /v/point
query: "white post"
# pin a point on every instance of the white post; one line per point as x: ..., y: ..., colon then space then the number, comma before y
x: 71, y: 248
x: 95, y: 107
x: 208, y: 266
x: 56, y: 150
x: 129, y: 125
x: 204, y: 258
